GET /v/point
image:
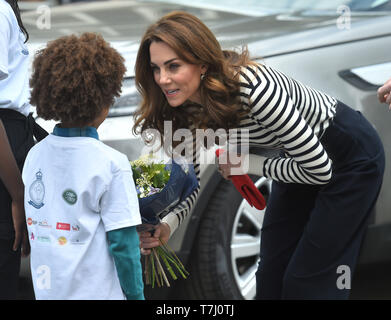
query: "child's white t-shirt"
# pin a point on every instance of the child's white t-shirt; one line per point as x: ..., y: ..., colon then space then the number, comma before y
x: 76, y: 190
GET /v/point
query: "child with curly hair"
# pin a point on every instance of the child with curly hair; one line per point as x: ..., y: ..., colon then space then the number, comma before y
x: 80, y: 199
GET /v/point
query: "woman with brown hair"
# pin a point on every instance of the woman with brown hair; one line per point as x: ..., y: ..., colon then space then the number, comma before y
x: 325, y: 181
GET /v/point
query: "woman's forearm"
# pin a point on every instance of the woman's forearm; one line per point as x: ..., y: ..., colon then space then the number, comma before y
x: 9, y: 171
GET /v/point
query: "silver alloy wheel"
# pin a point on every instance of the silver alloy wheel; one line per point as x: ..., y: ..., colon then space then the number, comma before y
x: 245, y: 242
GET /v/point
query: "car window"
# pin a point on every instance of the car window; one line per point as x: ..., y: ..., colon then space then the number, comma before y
x: 265, y: 7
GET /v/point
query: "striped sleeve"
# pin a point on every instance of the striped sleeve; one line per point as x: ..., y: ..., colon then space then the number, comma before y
x: 307, y: 161
x: 181, y: 211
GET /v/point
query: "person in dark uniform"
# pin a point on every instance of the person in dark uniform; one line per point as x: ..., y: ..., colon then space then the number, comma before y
x: 16, y: 139
x: 12, y: 208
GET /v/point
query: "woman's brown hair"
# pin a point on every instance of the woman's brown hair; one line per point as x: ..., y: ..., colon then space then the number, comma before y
x: 75, y: 78
x: 194, y: 43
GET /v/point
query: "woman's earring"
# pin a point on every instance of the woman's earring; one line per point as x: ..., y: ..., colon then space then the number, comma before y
x: 202, y: 76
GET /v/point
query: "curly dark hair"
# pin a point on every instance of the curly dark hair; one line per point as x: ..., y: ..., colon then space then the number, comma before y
x: 75, y: 78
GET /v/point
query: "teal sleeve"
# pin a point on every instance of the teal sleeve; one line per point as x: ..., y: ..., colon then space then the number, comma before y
x: 125, y: 249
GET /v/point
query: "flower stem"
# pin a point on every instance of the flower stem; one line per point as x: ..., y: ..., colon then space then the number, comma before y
x: 146, y: 271
x: 171, y: 254
x: 168, y: 266
x: 161, y: 270
x: 153, y: 272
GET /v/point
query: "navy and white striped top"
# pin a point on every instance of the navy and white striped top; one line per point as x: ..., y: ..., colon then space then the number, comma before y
x: 286, y: 115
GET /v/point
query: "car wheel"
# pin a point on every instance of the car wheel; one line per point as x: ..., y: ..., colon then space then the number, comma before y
x: 226, y: 252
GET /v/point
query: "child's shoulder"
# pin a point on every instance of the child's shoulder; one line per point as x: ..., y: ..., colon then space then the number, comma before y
x: 94, y: 149
x: 38, y: 146
x: 112, y: 155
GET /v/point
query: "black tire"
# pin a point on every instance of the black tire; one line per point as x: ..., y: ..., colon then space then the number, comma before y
x: 210, y: 267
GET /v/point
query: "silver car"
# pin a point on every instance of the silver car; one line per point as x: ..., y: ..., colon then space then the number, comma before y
x: 340, y: 47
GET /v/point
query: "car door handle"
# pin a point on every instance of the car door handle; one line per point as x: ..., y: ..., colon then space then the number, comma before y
x: 367, y: 78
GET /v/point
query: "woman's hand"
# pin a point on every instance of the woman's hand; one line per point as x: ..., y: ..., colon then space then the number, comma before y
x: 21, y: 235
x: 231, y: 164
x: 151, y: 239
x: 384, y: 93
x: 12, y: 179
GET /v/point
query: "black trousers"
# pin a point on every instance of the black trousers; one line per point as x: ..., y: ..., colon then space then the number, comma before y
x: 9, y: 270
x: 20, y: 131
x: 312, y: 235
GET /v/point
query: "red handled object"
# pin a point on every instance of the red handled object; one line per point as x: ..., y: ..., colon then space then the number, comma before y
x: 247, y: 188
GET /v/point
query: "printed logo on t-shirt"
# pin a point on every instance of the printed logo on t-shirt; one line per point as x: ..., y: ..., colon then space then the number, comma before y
x: 62, y: 241
x: 31, y: 222
x: 45, y: 239
x: 69, y: 196
x: 44, y: 224
x: 63, y: 226
x: 37, y: 191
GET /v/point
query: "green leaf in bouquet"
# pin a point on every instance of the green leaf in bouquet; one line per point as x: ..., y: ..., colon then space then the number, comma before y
x: 159, y: 180
x: 148, y: 174
x: 136, y: 173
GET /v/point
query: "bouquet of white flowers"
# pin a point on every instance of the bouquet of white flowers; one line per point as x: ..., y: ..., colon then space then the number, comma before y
x: 160, y: 188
